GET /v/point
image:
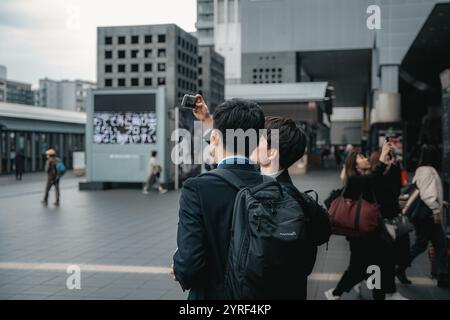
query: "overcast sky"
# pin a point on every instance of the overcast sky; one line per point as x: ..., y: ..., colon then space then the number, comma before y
x: 57, y: 38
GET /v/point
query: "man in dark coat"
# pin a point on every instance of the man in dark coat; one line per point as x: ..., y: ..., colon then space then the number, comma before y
x: 206, y: 203
x: 19, y: 162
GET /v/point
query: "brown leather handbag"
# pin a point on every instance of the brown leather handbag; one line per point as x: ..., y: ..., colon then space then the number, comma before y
x: 353, y: 218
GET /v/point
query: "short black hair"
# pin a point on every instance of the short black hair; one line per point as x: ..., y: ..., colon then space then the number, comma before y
x: 154, y: 153
x: 429, y: 156
x: 292, y: 140
x: 238, y: 114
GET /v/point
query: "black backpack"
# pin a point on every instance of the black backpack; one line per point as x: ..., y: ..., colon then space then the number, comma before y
x: 266, y: 243
x: 317, y: 222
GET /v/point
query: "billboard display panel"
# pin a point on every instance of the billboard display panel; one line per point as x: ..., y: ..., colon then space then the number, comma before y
x: 124, y: 119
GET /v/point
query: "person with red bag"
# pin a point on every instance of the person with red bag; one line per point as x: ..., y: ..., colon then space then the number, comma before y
x: 367, y: 244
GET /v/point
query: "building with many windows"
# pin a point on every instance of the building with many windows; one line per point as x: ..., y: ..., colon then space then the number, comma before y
x: 205, y: 22
x: 219, y: 25
x: 211, y: 76
x: 65, y: 94
x: 14, y: 91
x: 148, y: 56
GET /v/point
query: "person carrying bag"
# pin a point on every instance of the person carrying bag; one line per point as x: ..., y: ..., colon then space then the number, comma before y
x: 357, y: 215
x: 425, y: 207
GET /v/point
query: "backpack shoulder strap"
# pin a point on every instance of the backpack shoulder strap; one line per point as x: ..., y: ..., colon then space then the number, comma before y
x: 228, y: 176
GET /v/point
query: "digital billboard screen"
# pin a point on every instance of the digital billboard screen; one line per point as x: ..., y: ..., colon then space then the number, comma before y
x: 124, y: 127
x: 124, y: 119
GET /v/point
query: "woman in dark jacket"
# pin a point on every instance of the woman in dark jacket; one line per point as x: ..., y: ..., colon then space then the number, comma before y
x: 360, y: 180
x: 387, y: 194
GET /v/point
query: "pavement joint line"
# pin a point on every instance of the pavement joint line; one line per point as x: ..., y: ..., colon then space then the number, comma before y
x: 420, y: 281
x: 424, y: 281
x: 84, y: 267
x: 29, y: 193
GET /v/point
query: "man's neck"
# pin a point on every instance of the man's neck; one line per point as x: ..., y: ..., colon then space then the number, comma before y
x: 270, y: 169
x: 227, y: 155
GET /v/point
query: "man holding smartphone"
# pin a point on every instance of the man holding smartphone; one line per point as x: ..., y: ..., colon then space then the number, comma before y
x: 206, y: 202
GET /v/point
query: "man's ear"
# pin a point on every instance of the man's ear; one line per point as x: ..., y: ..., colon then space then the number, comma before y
x: 214, y: 138
x: 272, y: 154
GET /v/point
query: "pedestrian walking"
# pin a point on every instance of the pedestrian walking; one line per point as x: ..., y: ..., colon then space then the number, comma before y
x: 337, y: 155
x: 54, y: 169
x: 154, y: 173
x: 19, y: 163
x: 432, y: 224
x: 361, y: 182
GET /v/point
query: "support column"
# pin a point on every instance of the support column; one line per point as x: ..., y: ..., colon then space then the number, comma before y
x: 389, y: 78
x: 33, y: 152
x: 388, y: 107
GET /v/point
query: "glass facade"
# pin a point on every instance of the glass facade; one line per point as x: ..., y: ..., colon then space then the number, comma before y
x: 33, y: 145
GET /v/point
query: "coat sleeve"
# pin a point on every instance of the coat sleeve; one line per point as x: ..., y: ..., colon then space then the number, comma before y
x: 427, y: 185
x: 189, y: 259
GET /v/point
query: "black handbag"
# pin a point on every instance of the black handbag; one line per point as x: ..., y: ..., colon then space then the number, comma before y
x: 416, y: 210
x: 398, y: 226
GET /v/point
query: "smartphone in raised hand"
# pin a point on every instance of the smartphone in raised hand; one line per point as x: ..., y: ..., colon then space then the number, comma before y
x: 188, y: 101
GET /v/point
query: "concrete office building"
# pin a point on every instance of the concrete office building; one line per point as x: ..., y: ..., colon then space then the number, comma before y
x: 3, y: 74
x: 218, y: 24
x: 328, y: 40
x: 14, y: 91
x: 65, y: 94
x: 148, y: 56
x: 211, y: 76
x: 19, y: 92
x: 205, y: 22
x: 133, y: 59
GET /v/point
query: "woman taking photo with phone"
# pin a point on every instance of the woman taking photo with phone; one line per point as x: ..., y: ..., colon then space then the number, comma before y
x: 361, y: 181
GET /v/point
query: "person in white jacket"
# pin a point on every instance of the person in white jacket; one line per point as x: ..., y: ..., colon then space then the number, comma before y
x: 154, y: 171
x: 431, y: 192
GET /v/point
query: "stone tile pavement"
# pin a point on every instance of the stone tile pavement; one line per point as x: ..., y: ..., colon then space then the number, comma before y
x: 123, y: 242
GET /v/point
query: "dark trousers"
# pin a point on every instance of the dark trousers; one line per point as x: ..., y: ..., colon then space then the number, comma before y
x: 363, y: 253
x: 49, y: 185
x: 152, y: 181
x: 18, y: 175
x: 401, y: 247
x: 427, y: 231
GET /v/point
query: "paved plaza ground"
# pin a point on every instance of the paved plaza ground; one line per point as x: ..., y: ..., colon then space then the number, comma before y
x: 123, y: 242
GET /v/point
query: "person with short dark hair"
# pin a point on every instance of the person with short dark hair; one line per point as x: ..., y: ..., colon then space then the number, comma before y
x: 275, y: 163
x: 206, y: 202
x: 291, y: 142
x: 431, y: 229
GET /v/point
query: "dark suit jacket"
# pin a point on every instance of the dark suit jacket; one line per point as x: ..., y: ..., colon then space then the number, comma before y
x: 206, y: 208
